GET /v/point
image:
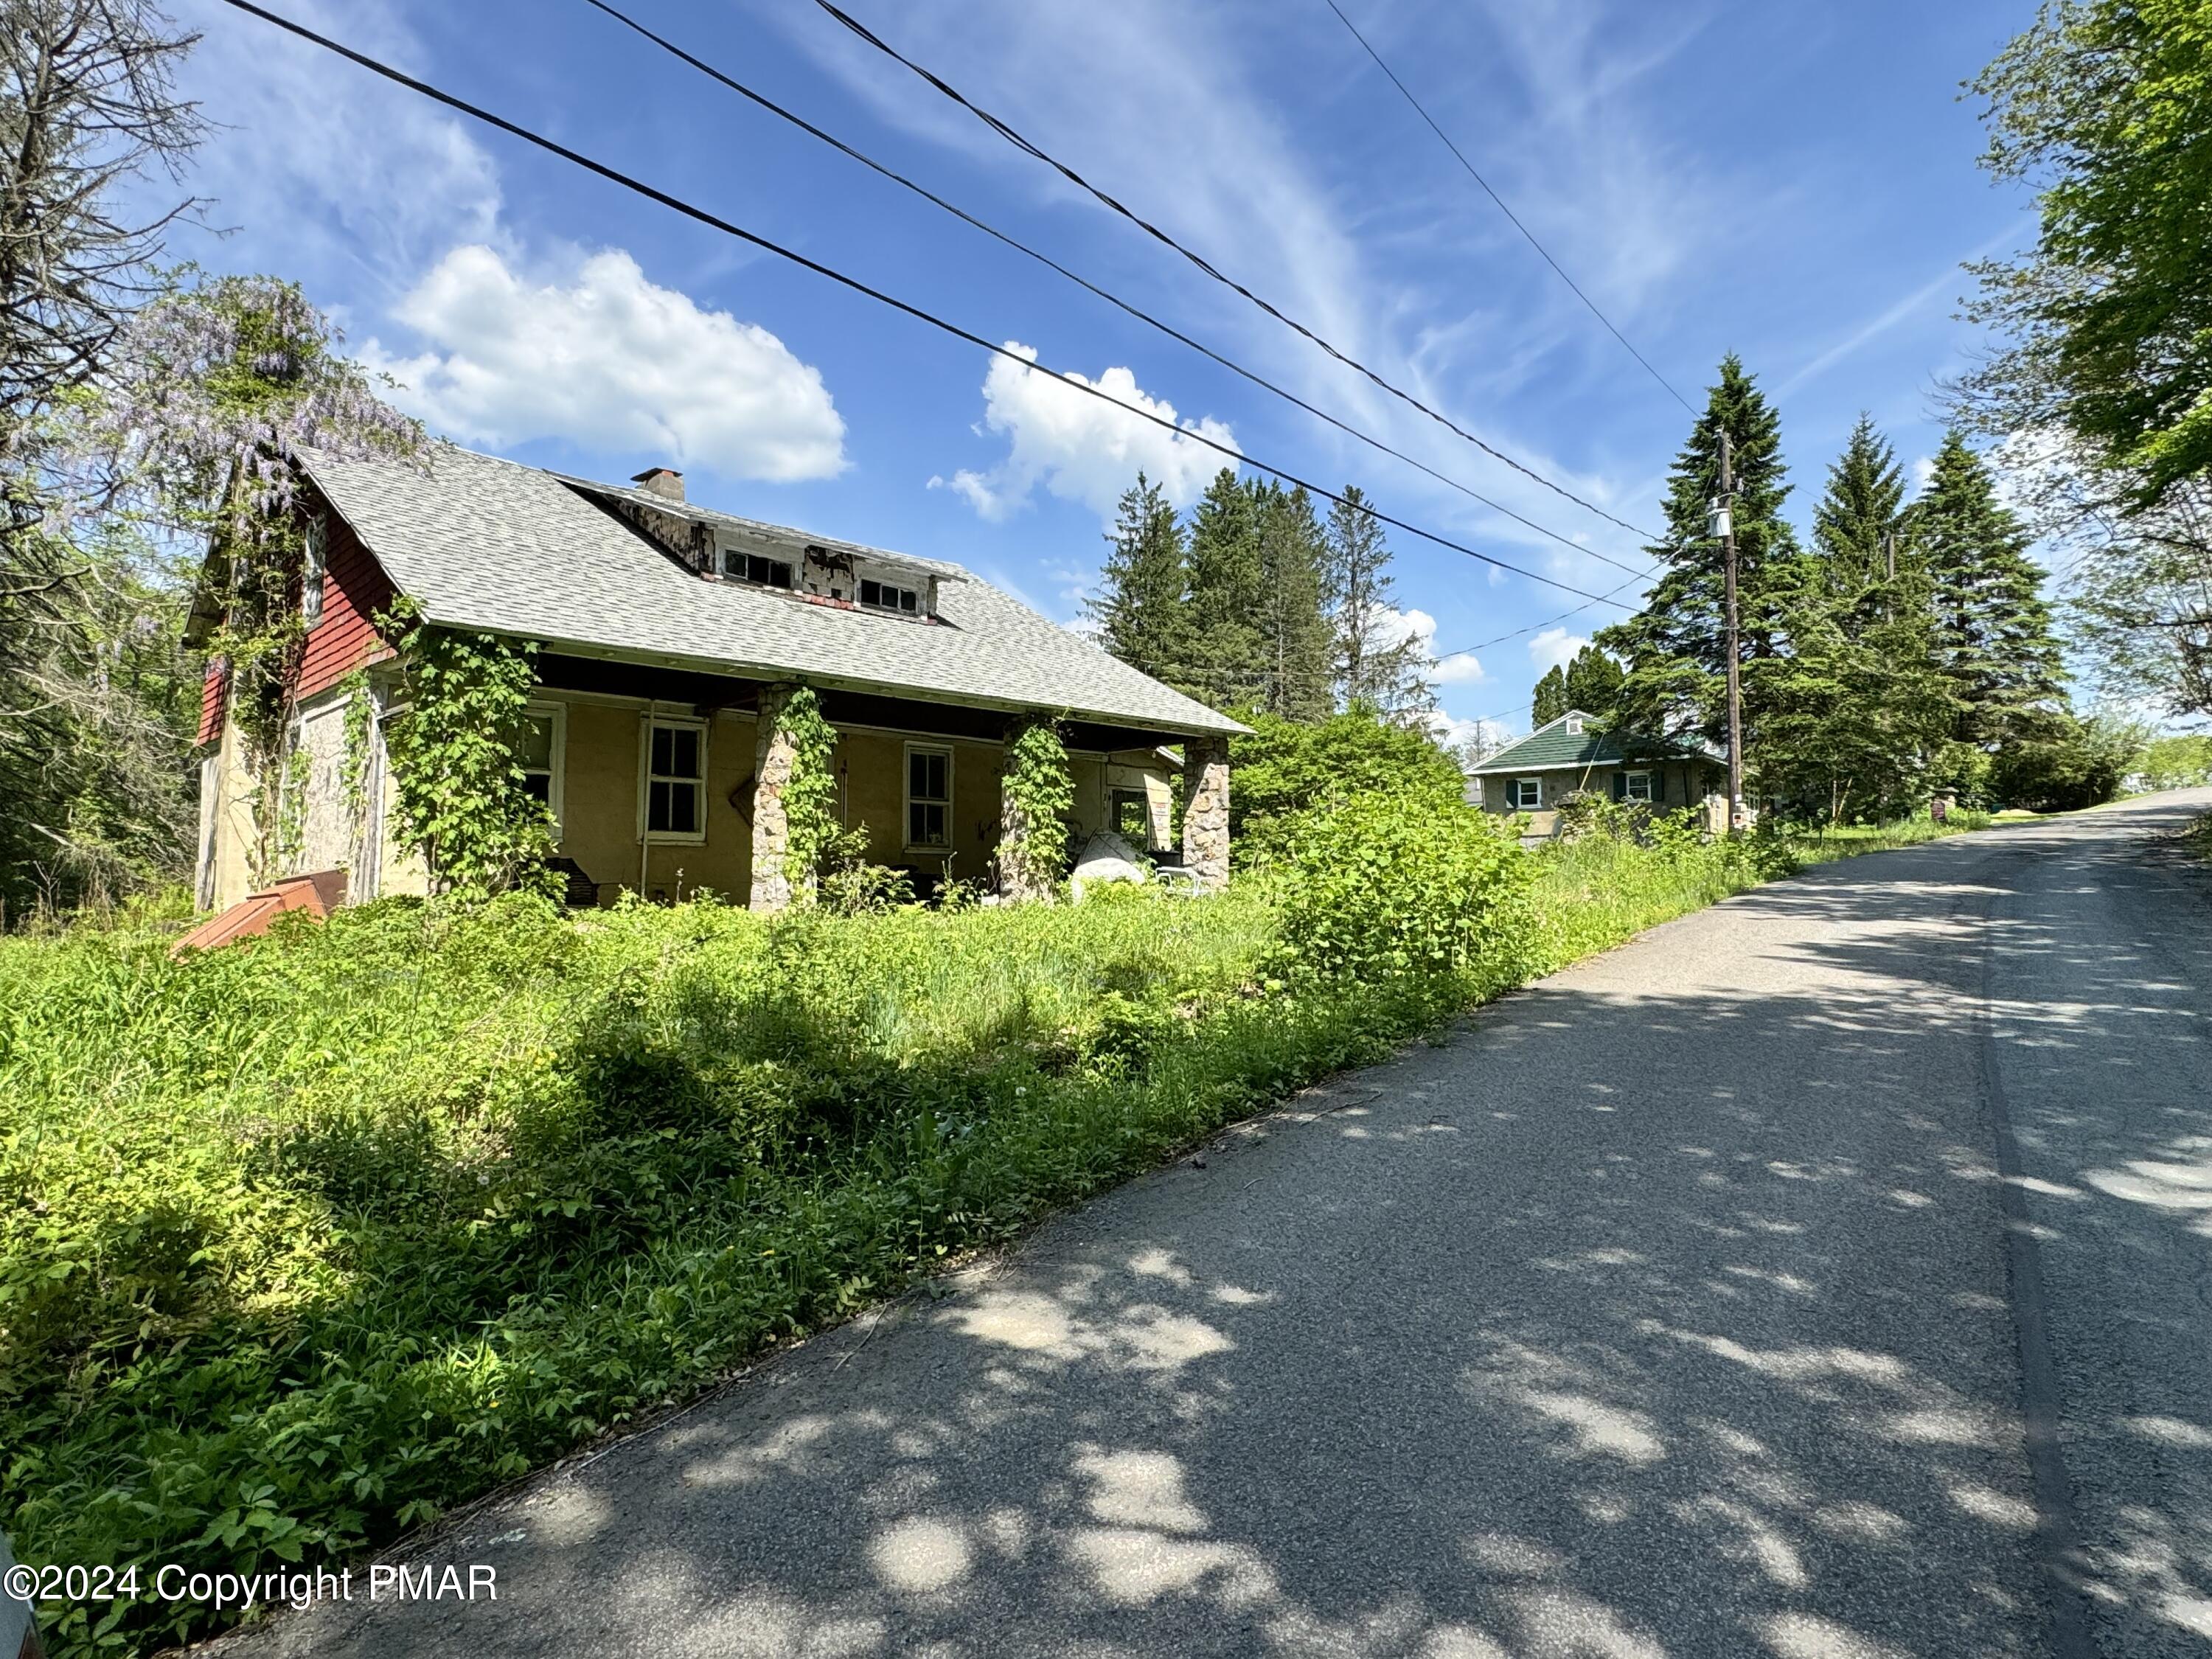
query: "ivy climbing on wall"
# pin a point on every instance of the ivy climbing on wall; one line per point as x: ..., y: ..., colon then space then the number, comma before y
x: 458, y: 783
x: 1036, y: 794
x: 809, y: 798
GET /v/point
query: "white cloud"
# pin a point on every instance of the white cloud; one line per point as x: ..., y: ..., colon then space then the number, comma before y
x: 1393, y: 627
x: 1555, y: 648
x: 1480, y: 737
x: 609, y: 360
x: 326, y: 173
x: 1080, y: 448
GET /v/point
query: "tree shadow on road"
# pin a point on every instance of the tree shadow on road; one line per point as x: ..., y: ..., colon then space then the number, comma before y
x: 1629, y: 1322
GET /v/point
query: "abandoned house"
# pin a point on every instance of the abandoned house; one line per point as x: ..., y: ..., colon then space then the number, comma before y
x: 1575, y: 754
x: 664, y: 628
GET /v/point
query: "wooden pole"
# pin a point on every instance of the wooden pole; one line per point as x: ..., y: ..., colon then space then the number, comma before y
x: 1735, y: 677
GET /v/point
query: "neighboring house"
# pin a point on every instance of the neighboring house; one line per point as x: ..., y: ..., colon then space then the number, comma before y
x: 1574, y: 753
x: 663, y: 626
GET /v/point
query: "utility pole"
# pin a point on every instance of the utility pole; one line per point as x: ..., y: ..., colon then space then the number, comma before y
x: 1734, y: 676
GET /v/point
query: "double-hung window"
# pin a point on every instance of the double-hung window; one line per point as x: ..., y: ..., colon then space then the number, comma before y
x: 675, y: 804
x: 928, y: 798
x: 317, y: 566
x: 538, y: 751
x: 1636, y: 786
x: 1525, y: 794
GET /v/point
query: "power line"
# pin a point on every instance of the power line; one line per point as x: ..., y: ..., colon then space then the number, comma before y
x: 1485, y: 645
x: 1507, y: 211
x: 1052, y: 264
x: 1200, y: 261
x: 678, y: 204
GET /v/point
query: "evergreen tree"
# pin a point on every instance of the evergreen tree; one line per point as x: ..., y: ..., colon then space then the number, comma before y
x: 1675, y: 649
x: 1551, y: 699
x: 1992, y: 629
x: 1294, y: 632
x: 1227, y: 657
x: 1857, y: 524
x: 1377, y: 666
x: 1142, y: 608
x: 1855, y: 714
x: 1592, y: 682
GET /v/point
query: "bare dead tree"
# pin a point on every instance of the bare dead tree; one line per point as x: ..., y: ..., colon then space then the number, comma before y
x: 88, y: 115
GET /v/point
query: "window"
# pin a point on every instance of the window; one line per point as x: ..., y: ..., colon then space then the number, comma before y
x: 1525, y: 794
x: 1636, y: 786
x: 928, y: 797
x: 756, y: 567
x: 1132, y: 817
x: 311, y: 577
x: 675, y: 780
x: 541, y: 751
x: 884, y: 597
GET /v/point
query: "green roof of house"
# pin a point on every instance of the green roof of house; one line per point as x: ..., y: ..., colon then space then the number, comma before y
x: 1555, y: 745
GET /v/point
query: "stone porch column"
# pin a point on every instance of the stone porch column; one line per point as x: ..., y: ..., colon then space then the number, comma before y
x: 1205, y: 810
x: 773, y: 755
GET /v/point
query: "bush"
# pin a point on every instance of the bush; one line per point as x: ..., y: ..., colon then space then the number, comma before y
x: 2068, y: 765
x: 1285, y: 768
x: 1393, y: 884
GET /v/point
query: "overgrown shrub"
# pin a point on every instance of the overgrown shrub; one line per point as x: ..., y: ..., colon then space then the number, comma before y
x: 1394, y: 885
x: 1286, y: 767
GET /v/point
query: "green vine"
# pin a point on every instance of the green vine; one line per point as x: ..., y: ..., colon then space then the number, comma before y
x: 353, y: 761
x: 298, y: 775
x: 1036, y: 796
x: 809, y: 798
x: 457, y: 784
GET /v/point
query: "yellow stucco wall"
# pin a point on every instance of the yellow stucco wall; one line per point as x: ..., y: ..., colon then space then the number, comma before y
x: 598, y: 793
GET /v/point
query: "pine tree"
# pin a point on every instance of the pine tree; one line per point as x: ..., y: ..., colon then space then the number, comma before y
x: 1294, y: 632
x: 1855, y: 715
x: 1141, y: 607
x: 1675, y: 650
x: 1855, y: 526
x: 1227, y: 653
x: 1592, y: 682
x: 1376, y: 665
x: 1551, y: 699
x: 1992, y: 629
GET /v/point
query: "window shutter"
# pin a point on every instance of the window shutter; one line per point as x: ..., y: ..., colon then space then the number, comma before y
x: 1619, y: 784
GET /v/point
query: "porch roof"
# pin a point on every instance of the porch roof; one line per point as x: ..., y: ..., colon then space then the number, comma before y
x: 481, y: 543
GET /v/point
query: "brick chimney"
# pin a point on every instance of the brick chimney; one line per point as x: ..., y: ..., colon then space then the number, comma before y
x: 664, y: 481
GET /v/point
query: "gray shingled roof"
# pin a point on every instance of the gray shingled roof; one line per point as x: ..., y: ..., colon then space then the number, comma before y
x: 1551, y: 745
x: 481, y: 543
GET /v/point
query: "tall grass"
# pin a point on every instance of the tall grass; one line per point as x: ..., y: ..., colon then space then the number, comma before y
x: 304, y: 1242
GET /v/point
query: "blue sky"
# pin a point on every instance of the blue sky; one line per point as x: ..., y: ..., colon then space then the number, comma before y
x: 1794, y: 183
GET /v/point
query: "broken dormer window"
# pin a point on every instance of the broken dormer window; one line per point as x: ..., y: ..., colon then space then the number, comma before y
x: 884, y: 597
x: 756, y: 567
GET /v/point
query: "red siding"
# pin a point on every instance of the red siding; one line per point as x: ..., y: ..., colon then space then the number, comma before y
x: 214, y: 692
x: 354, y: 589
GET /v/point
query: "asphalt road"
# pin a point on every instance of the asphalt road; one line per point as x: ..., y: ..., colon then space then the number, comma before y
x: 1822, y: 1274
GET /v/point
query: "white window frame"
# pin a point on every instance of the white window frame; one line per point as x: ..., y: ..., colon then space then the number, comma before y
x: 1513, y: 795
x: 907, y: 797
x: 1574, y: 726
x: 315, y: 567
x: 646, y: 725
x: 1650, y: 786
x: 557, y: 767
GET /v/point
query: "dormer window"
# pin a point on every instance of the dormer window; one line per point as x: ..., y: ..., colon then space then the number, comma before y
x: 884, y: 597
x: 1574, y: 726
x: 756, y: 567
